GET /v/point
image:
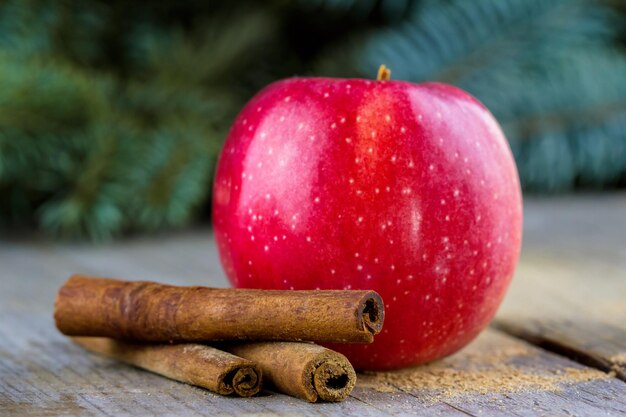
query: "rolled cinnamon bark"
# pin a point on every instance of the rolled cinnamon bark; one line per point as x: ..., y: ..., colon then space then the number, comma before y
x: 147, y: 311
x: 303, y: 370
x: 194, y: 364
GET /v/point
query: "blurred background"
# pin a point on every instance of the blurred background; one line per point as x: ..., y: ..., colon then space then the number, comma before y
x: 112, y: 113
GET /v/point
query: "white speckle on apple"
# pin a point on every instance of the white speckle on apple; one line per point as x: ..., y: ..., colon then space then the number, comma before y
x: 266, y: 248
x: 431, y: 167
x: 282, y: 118
x: 359, y: 219
x: 351, y: 180
x: 387, y: 118
x: 333, y: 126
x: 332, y: 272
x: 375, y: 260
x: 287, y: 99
x: 377, y: 190
x: 348, y: 140
x: 342, y: 120
x: 359, y: 267
x: 316, y: 200
x: 326, y: 95
x: 308, y: 238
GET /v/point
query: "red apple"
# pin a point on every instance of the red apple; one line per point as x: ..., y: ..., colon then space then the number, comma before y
x: 407, y: 189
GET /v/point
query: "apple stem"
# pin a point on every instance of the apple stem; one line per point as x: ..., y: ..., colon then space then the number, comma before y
x: 384, y: 73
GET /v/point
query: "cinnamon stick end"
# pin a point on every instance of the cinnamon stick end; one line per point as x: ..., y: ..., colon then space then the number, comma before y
x: 334, y: 380
x: 372, y: 313
x: 245, y: 381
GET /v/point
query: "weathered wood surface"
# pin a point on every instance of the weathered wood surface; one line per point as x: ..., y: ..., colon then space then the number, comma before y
x: 569, y: 293
x: 570, y: 271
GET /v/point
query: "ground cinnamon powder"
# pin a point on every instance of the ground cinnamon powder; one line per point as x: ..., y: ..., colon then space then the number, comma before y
x: 493, y: 364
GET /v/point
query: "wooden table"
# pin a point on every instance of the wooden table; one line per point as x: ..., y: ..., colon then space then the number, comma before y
x: 557, y: 346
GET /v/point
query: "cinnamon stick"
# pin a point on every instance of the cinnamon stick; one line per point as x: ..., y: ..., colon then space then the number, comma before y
x: 147, y: 311
x: 303, y: 370
x: 194, y: 364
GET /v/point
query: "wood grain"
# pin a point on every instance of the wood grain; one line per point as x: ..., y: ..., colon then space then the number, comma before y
x: 569, y: 294
x: 567, y: 275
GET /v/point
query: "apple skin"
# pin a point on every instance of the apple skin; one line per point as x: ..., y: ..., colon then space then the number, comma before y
x: 407, y: 189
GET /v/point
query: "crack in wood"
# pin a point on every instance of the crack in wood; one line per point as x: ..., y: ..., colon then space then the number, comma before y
x: 564, y: 349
